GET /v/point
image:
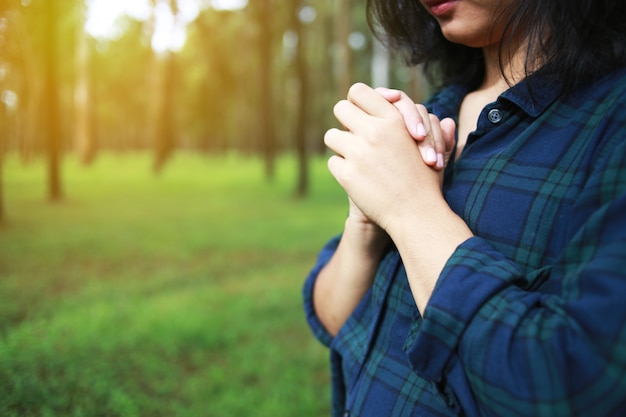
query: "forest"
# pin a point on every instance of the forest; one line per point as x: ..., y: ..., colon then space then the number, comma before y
x: 163, y: 194
x: 258, y: 78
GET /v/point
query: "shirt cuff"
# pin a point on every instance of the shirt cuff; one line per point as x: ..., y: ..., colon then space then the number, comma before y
x: 472, y: 275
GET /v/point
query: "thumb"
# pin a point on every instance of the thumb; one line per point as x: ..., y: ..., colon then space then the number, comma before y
x: 448, y: 129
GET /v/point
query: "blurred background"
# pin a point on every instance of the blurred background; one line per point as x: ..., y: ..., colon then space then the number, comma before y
x: 163, y: 194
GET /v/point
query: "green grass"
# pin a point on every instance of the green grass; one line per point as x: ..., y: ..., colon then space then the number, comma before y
x: 176, y: 295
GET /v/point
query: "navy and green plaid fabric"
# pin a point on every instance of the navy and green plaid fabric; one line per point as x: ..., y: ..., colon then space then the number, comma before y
x: 528, y: 317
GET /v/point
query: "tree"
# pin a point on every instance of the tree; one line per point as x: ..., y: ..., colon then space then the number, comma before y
x: 52, y: 127
x: 3, y: 135
x: 342, y: 44
x: 302, y: 107
x: 266, y: 78
x: 380, y: 64
x: 165, y: 134
x: 83, y: 100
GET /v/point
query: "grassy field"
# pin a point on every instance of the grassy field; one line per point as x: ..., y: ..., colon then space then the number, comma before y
x: 176, y: 295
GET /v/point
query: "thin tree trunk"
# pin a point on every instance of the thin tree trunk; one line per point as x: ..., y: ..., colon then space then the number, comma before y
x: 83, y: 109
x: 302, y: 107
x: 28, y: 116
x: 420, y: 90
x: 380, y: 65
x: 165, y: 141
x: 267, y: 88
x: 325, y: 88
x: 51, y: 104
x: 3, y: 135
x: 343, y: 51
x: 165, y: 131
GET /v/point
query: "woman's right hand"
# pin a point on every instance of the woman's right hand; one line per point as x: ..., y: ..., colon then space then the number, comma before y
x: 342, y: 283
x: 435, y: 148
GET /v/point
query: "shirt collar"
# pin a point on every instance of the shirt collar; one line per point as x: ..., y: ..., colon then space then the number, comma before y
x: 532, y: 95
x: 447, y: 102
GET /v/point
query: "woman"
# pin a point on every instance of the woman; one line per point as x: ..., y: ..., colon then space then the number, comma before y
x: 500, y: 292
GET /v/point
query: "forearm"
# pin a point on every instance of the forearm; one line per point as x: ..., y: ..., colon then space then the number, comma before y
x: 343, y: 282
x: 486, y: 320
x: 426, y: 241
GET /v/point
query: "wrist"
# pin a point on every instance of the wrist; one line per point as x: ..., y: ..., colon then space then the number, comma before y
x: 366, y: 236
x: 426, y: 243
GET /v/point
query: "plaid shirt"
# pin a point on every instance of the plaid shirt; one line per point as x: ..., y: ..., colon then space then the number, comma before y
x: 529, y: 317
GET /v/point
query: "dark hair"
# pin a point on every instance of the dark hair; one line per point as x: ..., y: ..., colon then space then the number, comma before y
x: 576, y: 40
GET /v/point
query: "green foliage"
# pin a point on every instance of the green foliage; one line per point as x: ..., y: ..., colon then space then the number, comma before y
x: 216, y: 94
x: 169, y: 296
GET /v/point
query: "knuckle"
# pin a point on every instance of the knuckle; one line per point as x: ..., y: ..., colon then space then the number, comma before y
x: 421, y: 108
x: 341, y: 104
x: 356, y: 89
x: 433, y: 117
x: 327, y: 136
x: 379, y: 130
x: 331, y: 137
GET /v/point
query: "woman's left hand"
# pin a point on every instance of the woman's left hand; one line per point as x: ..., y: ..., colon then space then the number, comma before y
x: 378, y: 162
x: 435, y: 149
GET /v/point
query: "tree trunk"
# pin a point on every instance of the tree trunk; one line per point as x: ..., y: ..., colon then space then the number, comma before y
x: 3, y: 135
x: 302, y: 105
x: 343, y: 55
x: 51, y: 104
x: 165, y: 130
x: 324, y: 86
x: 419, y: 87
x: 268, y: 134
x: 380, y: 65
x: 164, y: 137
x: 83, y: 110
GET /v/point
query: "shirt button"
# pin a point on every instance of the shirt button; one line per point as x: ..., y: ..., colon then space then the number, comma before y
x: 346, y: 414
x: 494, y: 116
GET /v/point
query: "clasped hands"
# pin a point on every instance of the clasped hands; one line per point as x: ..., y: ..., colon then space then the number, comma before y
x: 391, y: 156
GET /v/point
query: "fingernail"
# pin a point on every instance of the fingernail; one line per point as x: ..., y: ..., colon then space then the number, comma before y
x: 431, y: 155
x: 421, y: 130
x: 440, y: 161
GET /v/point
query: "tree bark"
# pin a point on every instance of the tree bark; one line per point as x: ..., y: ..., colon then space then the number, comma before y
x: 164, y: 137
x: 302, y: 105
x: 3, y: 134
x: 165, y: 141
x: 84, y: 135
x: 51, y: 113
x: 380, y: 65
x: 268, y: 133
x: 343, y: 54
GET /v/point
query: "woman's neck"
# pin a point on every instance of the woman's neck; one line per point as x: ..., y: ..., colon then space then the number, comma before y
x: 501, y: 70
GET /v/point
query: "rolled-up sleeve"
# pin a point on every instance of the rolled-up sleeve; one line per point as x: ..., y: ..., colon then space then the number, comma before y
x: 319, y: 331
x: 556, y: 347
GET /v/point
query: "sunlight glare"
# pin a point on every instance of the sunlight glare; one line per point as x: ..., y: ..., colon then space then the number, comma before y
x: 169, y: 29
x: 229, y: 4
x: 103, y: 14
